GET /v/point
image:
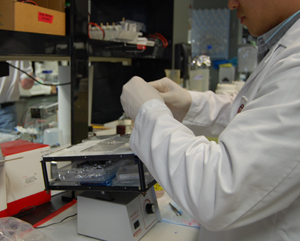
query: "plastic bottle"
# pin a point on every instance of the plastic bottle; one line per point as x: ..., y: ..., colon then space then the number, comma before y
x: 46, y: 75
x: 199, y: 73
x: 124, y: 125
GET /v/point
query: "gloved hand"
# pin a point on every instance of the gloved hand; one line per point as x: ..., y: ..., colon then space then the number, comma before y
x: 27, y: 82
x: 135, y: 93
x: 176, y: 98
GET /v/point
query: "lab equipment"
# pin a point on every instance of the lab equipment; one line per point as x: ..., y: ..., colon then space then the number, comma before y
x: 93, y: 165
x: 132, y: 214
x: 123, y: 31
x: 199, y: 73
x: 122, y: 187
x: 175, y: 209
x: 210, y: 32
x: 172, y: 213
x: 226, y: 73
x: 183, y: 59
x: 39, y: 118
x: 128, y: 175
x: 247, y: 58
x: 129, y: 30
x: 44, y: 110
x: 89, y: 172
x: 23, y: 184
x: 53, y: 137
x: 125, y: 125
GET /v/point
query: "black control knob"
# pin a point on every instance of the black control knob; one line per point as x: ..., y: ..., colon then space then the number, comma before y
x: 150, y: 208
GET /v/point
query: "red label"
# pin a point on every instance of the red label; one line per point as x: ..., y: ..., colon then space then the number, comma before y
x: 44, y: 17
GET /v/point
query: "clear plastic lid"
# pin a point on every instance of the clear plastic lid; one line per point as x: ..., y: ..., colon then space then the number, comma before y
x: 200, y: 62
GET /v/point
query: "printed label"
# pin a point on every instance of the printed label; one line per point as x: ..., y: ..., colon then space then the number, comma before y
x: 44, y: 17
x: 199, y: 77
x: 30, y: 180
x: 137, y: 233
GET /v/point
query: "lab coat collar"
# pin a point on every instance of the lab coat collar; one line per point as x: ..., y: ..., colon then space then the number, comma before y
x: 290, y: 36
x: 285, y: 41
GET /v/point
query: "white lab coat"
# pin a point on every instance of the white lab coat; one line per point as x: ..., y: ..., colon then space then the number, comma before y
x: 247, y: 187
x: 9, y: 85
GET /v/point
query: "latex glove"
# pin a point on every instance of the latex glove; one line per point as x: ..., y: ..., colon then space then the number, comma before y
x: 135, y: 93
x: 176, y: 98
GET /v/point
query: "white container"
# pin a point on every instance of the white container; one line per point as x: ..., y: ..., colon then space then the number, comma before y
x: 230, y: 89
x: 199, y: 80
x: 247, y: 58
x: 238, y: 84
x: 53, y: 136
x: 226, y: 74
x: 226, y: 89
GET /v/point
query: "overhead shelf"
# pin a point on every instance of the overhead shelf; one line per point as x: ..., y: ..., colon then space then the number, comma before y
x: 14, y: 43
x: 76, y: 47
x: 100, y: 48
x: 20, y: 45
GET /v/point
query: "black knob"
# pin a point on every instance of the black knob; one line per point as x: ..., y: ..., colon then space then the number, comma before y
x: 150, y: 208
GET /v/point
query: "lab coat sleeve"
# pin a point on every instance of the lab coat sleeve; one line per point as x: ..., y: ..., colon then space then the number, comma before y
x: 209, y: 113
x: 251, y: 174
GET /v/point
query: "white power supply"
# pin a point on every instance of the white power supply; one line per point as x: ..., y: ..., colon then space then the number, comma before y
x: 127, y: 216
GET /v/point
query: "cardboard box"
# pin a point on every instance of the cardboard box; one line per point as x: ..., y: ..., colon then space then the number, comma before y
x: 58, y: 5
x: 24, y: 177
x: 47, y: 18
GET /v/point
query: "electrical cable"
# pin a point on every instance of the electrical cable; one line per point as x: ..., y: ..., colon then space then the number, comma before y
x: 30, y: 1
x: 161, y: 38
x: 25, y: 211
x: 57, y: 222
x: 35, y: 78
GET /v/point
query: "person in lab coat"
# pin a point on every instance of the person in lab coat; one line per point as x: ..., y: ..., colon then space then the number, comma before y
x: 10, y: 93
x: 246, y: 187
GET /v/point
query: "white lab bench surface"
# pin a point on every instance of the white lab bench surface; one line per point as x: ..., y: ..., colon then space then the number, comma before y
x: 162, y: 231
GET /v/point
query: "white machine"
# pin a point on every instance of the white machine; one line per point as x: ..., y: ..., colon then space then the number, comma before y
x: 125, y: 216
x: 119, y: 201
